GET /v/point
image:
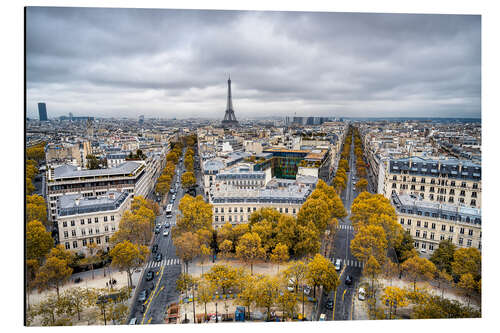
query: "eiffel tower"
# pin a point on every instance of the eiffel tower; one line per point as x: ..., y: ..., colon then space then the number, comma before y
x: 229, y: 117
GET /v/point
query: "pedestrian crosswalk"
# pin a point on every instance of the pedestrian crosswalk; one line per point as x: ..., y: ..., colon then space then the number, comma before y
x: 164, y: 262
x: 345, y: 226
x: 349, y: 262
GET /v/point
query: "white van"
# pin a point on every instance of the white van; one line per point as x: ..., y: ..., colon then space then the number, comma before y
x: 133, y: 321
x: 322, y: 317
x: 338, y: 264
x: 361, y: 294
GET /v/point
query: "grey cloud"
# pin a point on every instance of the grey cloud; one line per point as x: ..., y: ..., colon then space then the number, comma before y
x: 106, y: 62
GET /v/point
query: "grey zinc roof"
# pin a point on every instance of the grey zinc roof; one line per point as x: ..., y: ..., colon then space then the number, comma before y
x: 67, y: 204
x: 213, y: 165
x: 68, y: 171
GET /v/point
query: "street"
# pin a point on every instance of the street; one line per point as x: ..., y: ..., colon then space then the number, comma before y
x: 162, y: 288
x: 341, y: 250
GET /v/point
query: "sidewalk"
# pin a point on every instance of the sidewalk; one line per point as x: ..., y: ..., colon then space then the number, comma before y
x: 99, y: 281
x: 195, y: 268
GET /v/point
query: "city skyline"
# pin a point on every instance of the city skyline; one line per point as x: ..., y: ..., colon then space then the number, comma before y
x: 174, y: 63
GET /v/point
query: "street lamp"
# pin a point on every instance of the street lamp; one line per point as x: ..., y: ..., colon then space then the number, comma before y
x: 216, y: 314
x: 102, y: 304
x: 303, y: 286
x: 194, y: 313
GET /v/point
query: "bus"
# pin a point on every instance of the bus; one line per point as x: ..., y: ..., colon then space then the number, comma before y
x: 168, y: 211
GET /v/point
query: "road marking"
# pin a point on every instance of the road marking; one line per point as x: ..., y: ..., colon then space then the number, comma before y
x: 334, y: 303
x: 345, y: 290
x: 152, y: 295
x: 150, y: 320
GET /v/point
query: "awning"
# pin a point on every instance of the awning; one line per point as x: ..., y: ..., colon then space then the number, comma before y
x: 476, y: 174
x: 453, y: 172
x: 464, y: 173
x: 424, y: 170
x: 434, y: 171
x: 414, y: 169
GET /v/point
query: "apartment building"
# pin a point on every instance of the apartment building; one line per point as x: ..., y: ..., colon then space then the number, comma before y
x: 130, y: 177
x: 236, y: 204
x: 431, y: 222
x: 442, y: 181
x: 83, y: 220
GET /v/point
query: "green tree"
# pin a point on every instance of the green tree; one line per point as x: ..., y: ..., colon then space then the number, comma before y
x: 249, y: 249
x: 127, y: 256
x: 442, y: 257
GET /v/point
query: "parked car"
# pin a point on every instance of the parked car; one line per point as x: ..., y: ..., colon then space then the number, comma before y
x: 143, y: 295
x: 167, y: 225
x: 361, y: 294
x: 154, y: 248
x: 173, y: 196
x: 329, y: 304
x: 338, y: 264
x: 157, y: 229
x: 150, y: 275
x: 165, y: 233
x: 348, y: 280
x: 133, y: 321
x: 158, y: 257
x: 172, y: 190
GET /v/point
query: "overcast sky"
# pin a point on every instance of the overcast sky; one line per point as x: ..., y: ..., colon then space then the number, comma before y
x: 175, y: 63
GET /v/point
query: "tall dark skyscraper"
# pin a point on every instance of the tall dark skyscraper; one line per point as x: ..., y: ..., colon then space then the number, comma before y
x: 42, y: 112
x: 229, y: 117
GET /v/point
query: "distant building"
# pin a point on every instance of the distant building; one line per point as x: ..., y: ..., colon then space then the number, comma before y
x: 42, y: 112
x: 431, y: 222
x: 141, y: 119
x: 82, y: 221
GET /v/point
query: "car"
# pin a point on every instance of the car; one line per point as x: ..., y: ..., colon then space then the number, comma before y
x: 338, y: 264
x: 133, y: 321
x: 167, y: 225
x: 172, y: 190
x: 173, y: 196
x: 329, y: 304
x: 154, y: 248
x: 143, y: 295
x: 172, y: 200
x: 348, y: 280
x: 158, y: 257
x: 322, y: 317
x: 291, y: 285
x: 165, y: 233
x: 150, y: 275
x: 157, y: 229
x: 361, y: 294
x: 307, y: 290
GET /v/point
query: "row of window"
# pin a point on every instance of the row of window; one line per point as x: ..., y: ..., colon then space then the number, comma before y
x: 89, y: 221
x: 430, y: 246
x: 441, y: 182
x: 90, y: 231
x: 250, y: 209
x: 86, y: 241
x: 432, y: 190
x: 443, y: 227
